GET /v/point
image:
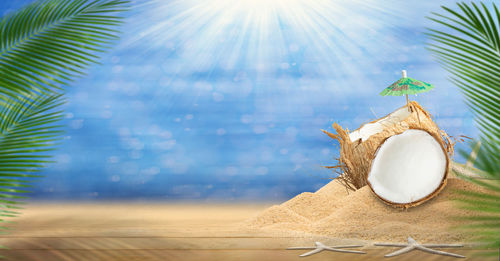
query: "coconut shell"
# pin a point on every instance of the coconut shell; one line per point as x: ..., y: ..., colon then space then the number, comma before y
x: 441, y: 142
x: 356, y: 156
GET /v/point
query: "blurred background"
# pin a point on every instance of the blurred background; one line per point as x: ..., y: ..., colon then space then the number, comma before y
x: 225, y: 100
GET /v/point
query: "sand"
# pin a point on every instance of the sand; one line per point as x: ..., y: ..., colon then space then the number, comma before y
x: 332, y: 211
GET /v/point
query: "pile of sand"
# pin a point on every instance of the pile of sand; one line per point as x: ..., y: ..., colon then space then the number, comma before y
x: 333, y: 211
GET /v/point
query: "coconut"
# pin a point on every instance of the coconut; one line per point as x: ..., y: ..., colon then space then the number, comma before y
x: 357, y: 148
x: 409, y: 168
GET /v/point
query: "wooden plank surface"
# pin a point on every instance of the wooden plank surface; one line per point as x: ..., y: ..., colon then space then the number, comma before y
x: 159, y: 231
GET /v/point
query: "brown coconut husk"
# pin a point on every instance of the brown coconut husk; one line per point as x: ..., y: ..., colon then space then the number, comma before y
x: 442, y: 143
x: 356, y: 156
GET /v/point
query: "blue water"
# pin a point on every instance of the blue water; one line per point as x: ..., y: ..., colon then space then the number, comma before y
x: 213, y: 100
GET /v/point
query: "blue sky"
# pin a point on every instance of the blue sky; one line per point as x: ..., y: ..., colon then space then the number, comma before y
x: 225, y: 100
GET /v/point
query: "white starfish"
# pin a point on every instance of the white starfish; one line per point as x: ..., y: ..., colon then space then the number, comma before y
x: 320, y: 247
x: 412, y: 244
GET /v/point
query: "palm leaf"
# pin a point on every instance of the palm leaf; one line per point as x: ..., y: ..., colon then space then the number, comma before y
x: 28, y: 131
x: 48, y: 43
x: 43, y: 47
x: 469, y: 49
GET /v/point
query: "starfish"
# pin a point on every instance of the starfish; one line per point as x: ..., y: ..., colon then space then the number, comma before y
x: 320, y: 247
x: 412, y: 244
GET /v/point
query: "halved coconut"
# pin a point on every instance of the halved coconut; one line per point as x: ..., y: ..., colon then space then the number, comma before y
x: 409, y: 168
x: 357, y: 149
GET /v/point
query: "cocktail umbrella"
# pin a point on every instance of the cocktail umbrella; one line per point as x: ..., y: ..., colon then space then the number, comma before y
x: 405, y: 86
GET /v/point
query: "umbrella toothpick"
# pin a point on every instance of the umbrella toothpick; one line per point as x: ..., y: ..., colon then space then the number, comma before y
x: 405, y: 86
x: 403, y: 72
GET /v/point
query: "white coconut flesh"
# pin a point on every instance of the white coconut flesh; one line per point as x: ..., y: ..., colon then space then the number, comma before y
x: 370, y: 129
x: 408, y: 167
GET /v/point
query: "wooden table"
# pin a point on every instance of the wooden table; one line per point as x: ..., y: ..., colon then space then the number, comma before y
x: 166, y: 231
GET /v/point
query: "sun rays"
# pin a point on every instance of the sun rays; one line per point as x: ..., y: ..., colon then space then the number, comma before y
x: 293, y: 38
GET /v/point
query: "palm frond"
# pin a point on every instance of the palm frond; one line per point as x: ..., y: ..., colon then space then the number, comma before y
x: 48, y: 43
x: 43, y: 47
x: 28, y: 132
x: 469, y: 49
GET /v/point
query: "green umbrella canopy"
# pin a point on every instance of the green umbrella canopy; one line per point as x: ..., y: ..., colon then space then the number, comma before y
x: 405, y: 86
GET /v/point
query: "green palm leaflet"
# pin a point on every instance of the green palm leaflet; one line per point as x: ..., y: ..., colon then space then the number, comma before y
x: 406, y: 86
